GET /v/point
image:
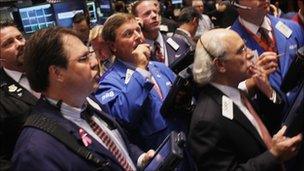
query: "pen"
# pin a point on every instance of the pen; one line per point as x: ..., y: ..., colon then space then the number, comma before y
x: 279, y: 55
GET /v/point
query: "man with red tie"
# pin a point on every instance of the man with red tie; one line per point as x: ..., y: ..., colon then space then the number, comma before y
x: 264, y: 33
x: 164, y: 49
x: 226, y: 132
x: 66, y: 72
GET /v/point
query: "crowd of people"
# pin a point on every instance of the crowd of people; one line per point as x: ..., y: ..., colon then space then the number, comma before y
x: 85, y: 98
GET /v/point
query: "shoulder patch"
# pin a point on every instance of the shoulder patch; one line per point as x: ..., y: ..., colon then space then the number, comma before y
x: 227, y: 107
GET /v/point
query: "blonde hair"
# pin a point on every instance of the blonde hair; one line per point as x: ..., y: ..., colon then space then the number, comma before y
x: 95, y: 32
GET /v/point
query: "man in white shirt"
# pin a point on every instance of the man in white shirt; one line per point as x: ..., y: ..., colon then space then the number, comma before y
x: 226, y: 133
x: 17, y: 98
x: 205, y: 23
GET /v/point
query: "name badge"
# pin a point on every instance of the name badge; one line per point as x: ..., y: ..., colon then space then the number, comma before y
x: 129, y: 74
x: 284, y: 29
x: 173, y: 44
x: 163, y: 28
x: 227, y: 107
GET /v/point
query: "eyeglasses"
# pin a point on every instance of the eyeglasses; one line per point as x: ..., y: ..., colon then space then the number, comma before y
x: 87, y: 56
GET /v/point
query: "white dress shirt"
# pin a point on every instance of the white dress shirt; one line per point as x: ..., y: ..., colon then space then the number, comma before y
x: 21, y: 79
x: 163, y: 49
x: 254, y: 28
x: 204, y: 24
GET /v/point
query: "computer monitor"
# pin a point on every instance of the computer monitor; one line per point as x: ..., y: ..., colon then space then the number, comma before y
x: 91, y: 7
x: 65, y: 11
x: 177, y: 2
x: 36, y: 17
x: 104, y: 10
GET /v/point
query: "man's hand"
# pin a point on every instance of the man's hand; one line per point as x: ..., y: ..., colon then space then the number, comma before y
x: 141, y: 56
x: 268, y: 61
x: 261, y: 81
x: 147, y: 157
x: 266, y: 64
x: 284, y: 148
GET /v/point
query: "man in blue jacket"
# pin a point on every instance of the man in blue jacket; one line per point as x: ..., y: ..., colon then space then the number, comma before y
x: 134, y: 88
x: 66, y: 72
x: 263, y: 33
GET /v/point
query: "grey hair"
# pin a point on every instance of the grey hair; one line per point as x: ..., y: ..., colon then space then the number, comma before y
x: 210, y: 46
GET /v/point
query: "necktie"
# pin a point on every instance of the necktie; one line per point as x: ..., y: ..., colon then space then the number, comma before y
x: 158, y: 54
x: 109, y: 143
x: 157, y: 88
x: 263, y: 130
x: 265, y: 36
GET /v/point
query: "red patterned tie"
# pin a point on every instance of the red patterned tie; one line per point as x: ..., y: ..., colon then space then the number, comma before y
x: 158, y: 54
x: 264, y: 132
x: 110, y: 144
x: 267, y: 39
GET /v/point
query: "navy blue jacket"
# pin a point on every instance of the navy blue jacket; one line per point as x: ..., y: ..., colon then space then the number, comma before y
x: 37, y: 150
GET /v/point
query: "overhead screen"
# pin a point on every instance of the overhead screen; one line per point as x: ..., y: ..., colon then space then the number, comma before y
x: 65, y: 11
x: 36, y: 17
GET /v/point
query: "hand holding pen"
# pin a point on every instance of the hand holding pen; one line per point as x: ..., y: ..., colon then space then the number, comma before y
x: 268, y: 61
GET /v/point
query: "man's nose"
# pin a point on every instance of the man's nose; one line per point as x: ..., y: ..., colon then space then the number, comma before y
x: 20, y: 42
x: 138, y: 36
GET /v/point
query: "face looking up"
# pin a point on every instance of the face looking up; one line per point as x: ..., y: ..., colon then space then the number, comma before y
x: 11, y: 48
x: 259, y: 8
x: 128, y: 37
x: 237, y: 61
x: 148, y: 11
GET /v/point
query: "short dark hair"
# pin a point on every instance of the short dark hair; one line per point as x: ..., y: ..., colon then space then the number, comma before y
x: 113, y: 23
x: 43, y: 49
x: 78, y: 17
x: 188, y: 14
x: 7, y: 23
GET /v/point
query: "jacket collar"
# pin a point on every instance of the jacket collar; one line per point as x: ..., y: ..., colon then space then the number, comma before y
x: 239, y: 117
x: 15, y: 90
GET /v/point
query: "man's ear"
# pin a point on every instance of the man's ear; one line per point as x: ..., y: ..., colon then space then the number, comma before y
x: 55, y: 73
x: 111, y: 46
x: 219, y: 66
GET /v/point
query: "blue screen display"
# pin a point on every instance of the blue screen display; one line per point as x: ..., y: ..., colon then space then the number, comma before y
x: 65, y: 11
x: 36, y: 17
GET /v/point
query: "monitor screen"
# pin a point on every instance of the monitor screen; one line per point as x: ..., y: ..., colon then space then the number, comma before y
x: 105, y: 10
x: 91, y: 7
x: 36, y: 17
x: 65, y: 11
x: 177, y: 2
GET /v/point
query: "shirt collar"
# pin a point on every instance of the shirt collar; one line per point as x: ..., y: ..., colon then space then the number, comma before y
x: 128, y: 64
x: 15, y: 75
x: 231, y: 92
x: 185, y: 31
x: 160, y: 40
x: 67, y: 110
x: 254, y: 28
